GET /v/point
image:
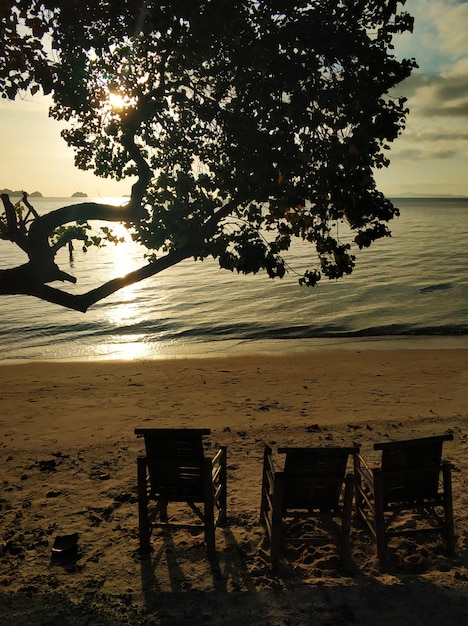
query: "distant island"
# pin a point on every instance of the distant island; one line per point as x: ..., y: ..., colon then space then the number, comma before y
x: 418, y: 196
x: 9, y: 192
x: 38, y: 194
x: 407, y: 195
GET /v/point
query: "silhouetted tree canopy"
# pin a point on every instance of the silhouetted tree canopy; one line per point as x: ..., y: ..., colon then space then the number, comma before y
x: 245, y: 123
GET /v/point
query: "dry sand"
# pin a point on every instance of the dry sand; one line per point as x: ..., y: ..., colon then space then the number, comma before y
x: 68, y: 464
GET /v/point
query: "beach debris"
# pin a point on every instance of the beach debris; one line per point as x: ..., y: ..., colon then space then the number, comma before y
x: 123, y: 497
x: 99, y: 474
x: 60, y: 455
x: 53, y: 494
x: 48, y: 465
x: 65, y: 545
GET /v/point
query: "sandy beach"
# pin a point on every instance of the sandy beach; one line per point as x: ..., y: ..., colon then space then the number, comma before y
x: 68, y: 464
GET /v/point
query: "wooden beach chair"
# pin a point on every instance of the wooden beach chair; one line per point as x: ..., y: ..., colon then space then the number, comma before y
x: 175, y: 470
x: 407, y: 481
x: 312, y: 486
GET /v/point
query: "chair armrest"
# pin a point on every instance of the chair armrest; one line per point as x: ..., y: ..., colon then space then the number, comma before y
x: 363, y: 471
x: 269, y: 468
x: 218, y: 469
x: 268, y: 490
x: 218, y: 464
x: 218, y: 457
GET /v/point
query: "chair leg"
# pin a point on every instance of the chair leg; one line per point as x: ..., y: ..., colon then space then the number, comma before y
x: 264, y: 494
x: 448, y: 507
x: 277, y: 518
x: 162, y: 509
x: 210, y: 538
x: 143, y: 521
x: 347, y: 512
x: 348, y: 504
x: 380, y: 535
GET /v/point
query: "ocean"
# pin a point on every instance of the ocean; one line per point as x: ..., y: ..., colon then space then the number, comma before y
x: 411, y: 286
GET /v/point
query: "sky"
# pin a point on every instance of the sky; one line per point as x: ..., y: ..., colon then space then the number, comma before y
x: 430, y: 158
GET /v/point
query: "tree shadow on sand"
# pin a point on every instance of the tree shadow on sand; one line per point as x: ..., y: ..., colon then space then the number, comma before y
x: 420, y: 602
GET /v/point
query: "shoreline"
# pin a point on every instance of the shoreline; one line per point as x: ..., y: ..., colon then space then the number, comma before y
x: 139, y: 351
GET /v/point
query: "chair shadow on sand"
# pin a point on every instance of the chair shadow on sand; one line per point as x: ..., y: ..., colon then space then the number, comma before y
x: 164, y: 568
x: 237, y: 594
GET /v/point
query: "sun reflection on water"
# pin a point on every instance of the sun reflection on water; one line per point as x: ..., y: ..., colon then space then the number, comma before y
x: 127, y: 350
x: 125, y: 257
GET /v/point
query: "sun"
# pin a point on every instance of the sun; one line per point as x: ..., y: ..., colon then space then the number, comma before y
x: 117, y: 101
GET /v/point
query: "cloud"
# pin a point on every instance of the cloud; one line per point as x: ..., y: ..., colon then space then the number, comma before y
x: 445, y: 95
x: 449, y: 86
x: 437, y: 92
x: 421, y: 147
x: 450, y: 20
x: 440, y: 28
x: 445, y: 136
x: 459, y: 110
x: 414, y: 154
x: 435, y: 137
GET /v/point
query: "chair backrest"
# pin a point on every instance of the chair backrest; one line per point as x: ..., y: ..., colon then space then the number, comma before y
x: 314, y: 476
x: 410, y: 469
x: 175, y: 462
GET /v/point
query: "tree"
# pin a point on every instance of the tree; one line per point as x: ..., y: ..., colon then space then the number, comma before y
x: 245, y: 123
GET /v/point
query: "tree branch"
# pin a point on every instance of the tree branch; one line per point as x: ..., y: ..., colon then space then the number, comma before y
x: 105, y: 290
x: 12, y: 219
x: 174, y: 257
x: 82, y: 302
x: 65, y: 239
x: 144, y: 176
x: 14, y: 232
x: 209, y: 228
x: 31, y: 209
x: 80, y: 212
x: 31, y: 279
